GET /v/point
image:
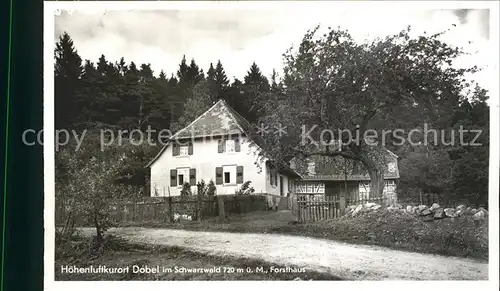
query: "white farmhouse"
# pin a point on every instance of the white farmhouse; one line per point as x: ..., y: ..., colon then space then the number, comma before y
x: 216, y: 146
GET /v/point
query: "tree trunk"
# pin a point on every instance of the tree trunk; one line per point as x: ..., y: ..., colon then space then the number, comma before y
x: 376, y: 176
x: 377, y: 182
x: 98, y: 231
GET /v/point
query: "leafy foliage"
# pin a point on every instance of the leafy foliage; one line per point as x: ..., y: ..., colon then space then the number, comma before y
x: 397, y: 82
x: 245, y: 189
x: 88, y: 183
x: 206, y: 189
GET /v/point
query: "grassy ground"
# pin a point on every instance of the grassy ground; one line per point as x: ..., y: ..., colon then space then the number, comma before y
x: 171, y: 261
x: 396, y: 230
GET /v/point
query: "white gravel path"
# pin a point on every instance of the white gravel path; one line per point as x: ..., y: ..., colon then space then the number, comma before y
x: 352, y: 262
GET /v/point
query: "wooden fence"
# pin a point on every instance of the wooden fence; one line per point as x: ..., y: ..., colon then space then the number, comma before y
x: 165, y: 209
x: 318, y: 207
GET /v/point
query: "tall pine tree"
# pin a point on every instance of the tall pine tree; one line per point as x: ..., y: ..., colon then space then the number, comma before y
x: 68, y: 71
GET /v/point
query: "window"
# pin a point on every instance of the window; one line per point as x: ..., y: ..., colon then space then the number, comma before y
x: 273, y: 176
x: 182, y: 176
x: 183, y: 150
x: 229, y: 175
x: 390, y: 186
x: 364, y: 190
x: 230, y: 146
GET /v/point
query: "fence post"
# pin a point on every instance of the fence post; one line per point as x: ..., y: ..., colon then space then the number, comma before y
x: 220, y: 201
x: 342, y: 204
x: 170, y: 210
x: 198, y: 208
x: 299, y: 214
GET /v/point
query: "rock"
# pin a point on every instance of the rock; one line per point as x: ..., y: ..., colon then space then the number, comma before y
x: 357, y: 210
x: 352, y: 207
x: 398, y: 206
x: 439, y: 213
x: 450, y: 212
x: 422, y: 208
x: 425, y: 212
x: 370, y: 204
x: 483, y: 210
x: 459, y: 212
x: 473, y: 211
x: 392, y: 208
x: 467, y: 211
x: 461, y: 207
x: 434, y: 207
x: 478, y: 216
x: 409, y: 209
x: 376, y: 207
x: 427, y: 218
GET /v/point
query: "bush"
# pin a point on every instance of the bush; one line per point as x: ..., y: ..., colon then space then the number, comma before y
x: 206, y: 189
x: 245, y: 189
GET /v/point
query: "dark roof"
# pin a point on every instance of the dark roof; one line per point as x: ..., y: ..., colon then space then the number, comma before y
x: 323, y: 168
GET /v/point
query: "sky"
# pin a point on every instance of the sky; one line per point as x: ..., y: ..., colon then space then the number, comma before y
x: 240, y: 37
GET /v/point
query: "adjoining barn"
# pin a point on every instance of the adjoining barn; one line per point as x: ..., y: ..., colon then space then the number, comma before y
x: 335, y: 177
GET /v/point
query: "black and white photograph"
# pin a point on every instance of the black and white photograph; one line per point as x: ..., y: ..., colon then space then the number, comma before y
x: 271, y: 141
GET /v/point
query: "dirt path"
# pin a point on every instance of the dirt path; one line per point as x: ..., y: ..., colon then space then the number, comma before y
x: 354, y: 262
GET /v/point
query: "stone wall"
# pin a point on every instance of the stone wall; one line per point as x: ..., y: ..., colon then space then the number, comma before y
x: 435, y: 211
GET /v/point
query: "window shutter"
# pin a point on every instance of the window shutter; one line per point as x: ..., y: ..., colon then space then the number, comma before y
x: 221, y: 146
x: 192, y: 177
x: 218, y: 176
x: 237, y: 147
x: 239, y: 175
x: 175, y: 148
x: 190, y: 148
x: 173, y: 178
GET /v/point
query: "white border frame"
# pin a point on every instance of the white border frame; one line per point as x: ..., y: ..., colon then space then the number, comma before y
x: 49, y: 155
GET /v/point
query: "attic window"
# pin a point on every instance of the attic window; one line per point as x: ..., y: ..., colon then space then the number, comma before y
x: 230, y: 146
x: 183, y: 150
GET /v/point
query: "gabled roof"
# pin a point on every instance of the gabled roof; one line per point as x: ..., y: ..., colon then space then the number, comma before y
x: 322, y: 168
x: 218, y: 120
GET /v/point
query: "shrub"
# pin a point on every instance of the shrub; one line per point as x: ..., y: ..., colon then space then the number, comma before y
x: 245, y: 189
x: 206, y: 189
x: 186, y: 191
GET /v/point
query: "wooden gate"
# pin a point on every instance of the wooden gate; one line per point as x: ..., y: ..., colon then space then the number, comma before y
x: 318, y: 207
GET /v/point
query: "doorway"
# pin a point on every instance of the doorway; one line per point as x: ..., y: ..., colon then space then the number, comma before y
x: 281, y: 186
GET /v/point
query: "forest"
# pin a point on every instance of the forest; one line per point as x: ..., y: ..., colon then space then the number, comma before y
x: 122, y: 95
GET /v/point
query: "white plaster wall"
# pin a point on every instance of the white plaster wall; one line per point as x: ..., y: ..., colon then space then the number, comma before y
x: 205, y: 159
x: 275, y: 190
